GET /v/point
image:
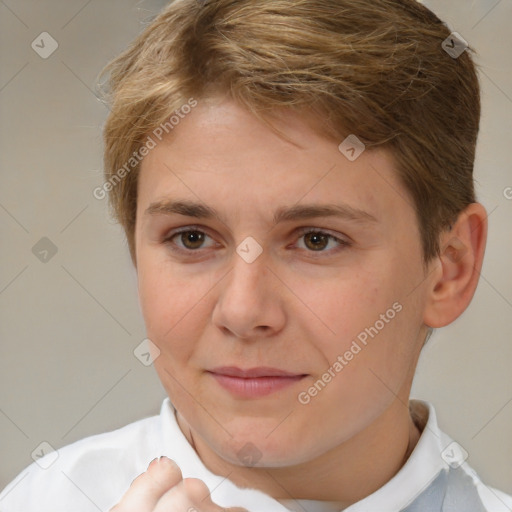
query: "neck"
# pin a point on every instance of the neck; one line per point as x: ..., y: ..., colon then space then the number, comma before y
x: 345, y: 474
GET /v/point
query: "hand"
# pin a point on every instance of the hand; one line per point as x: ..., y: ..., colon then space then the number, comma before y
x: 162, y: 489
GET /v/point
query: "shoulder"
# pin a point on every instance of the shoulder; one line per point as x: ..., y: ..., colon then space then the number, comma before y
x: 492, y: 499
x: 90, y: 474
x: 451, y: 477
x: 464, y: 480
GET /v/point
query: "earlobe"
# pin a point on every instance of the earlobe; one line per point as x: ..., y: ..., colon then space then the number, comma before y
x: 461, y: 256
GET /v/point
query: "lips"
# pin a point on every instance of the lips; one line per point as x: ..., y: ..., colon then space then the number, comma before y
x: 261, y: 371
x: 253, y: 382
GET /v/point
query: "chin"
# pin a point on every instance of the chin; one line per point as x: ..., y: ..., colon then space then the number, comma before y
x: 260, y: 450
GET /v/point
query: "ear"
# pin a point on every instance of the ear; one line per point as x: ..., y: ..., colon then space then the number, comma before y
x: 455, y: 279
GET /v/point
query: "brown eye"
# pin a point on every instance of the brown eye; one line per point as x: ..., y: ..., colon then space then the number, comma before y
x: 316, y: 241
x: 189, y: 242
x: 321, y: 242
x: 192, y: 239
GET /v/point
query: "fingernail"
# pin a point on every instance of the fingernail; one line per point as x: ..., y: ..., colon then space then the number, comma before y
x: 152, y: 463
x: 168, y: 462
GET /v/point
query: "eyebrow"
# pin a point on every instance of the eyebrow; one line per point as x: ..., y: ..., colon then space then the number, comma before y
x: 282, y: 214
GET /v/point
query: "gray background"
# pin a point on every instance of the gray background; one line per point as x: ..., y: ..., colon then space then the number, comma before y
x: 68, y: 326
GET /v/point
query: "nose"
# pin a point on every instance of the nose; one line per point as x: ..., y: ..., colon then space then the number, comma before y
x: 250, y: 301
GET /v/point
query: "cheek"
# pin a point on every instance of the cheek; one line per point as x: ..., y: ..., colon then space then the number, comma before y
x: 169, y: 304
x: 367, y: 318
x: 344, y: 305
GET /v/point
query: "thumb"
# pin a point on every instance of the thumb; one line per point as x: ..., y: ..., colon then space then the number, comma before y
x: 218, y: 508
x: 197, y: 488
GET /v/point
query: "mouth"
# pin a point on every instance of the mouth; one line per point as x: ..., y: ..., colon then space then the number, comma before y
x: 254, y: 382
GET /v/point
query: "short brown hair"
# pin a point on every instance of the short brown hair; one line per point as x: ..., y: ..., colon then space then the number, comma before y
x: 373, y: 68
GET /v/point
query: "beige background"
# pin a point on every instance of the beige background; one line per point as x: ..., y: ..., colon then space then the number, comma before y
x: 69, y: 326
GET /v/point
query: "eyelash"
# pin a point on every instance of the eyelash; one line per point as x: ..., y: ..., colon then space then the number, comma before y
x: 343, y: 244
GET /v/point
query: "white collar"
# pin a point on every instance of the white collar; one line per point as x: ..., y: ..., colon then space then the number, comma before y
x: 421, y: 468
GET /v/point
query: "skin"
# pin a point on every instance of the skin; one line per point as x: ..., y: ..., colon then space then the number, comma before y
x: 294, y: 308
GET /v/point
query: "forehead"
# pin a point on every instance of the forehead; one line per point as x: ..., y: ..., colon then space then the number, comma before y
x: 222, y: 155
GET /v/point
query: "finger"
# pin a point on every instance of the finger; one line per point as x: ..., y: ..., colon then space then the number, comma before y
x: 235, y: 509
x: 200, y: 494
x: 191, y: 495
x: 147, y: 489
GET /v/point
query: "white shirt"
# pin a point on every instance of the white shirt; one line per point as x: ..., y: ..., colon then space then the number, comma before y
x: 93, y: 474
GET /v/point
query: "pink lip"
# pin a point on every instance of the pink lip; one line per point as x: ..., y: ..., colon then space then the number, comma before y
x: 253, y: 382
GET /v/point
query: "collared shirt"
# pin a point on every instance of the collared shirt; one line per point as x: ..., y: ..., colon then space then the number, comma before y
x: 93, y: 474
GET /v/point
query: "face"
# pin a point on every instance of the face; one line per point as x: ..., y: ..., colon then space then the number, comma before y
x: 281, y: 258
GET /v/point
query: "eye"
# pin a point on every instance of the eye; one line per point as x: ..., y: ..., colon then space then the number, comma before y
x: 317, y: 241
x: 192, y: 239
x: 189, y: 239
